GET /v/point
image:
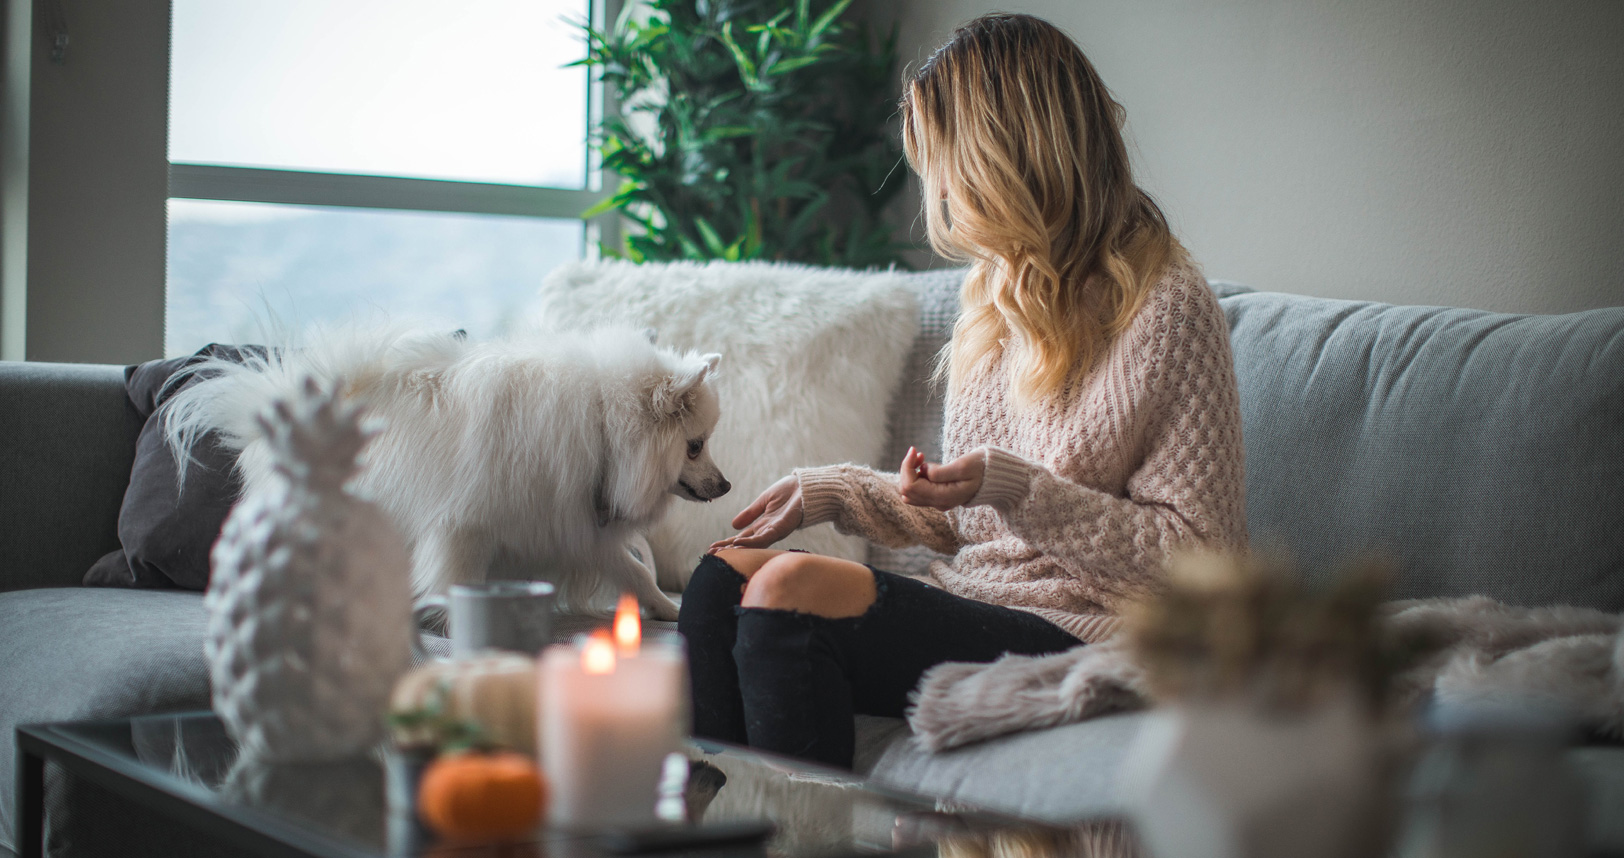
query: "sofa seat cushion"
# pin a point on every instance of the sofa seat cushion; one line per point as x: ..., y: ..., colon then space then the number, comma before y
x: 1058, y: 775
x: 1070, y: 773
x: 1483, y: 452
x: 75, y: 653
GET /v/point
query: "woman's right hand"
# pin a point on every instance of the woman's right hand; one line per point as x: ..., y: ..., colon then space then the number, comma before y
x: 776, y: 514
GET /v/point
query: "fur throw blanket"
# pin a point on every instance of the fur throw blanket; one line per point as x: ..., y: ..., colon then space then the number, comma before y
x: 1472, y: 650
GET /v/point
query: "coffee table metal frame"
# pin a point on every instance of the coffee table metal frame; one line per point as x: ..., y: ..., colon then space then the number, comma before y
x: 189, y: 804
x: 236, y: 825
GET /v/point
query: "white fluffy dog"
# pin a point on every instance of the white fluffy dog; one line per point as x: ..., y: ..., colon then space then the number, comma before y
x: 553, y: 451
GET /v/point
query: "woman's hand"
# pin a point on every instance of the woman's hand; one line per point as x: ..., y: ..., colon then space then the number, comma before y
x: 773, y: 516
x: 942, y: 487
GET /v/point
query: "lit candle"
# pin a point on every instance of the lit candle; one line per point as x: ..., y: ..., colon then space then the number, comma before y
x: 628, y: 628
x: 610, y: 712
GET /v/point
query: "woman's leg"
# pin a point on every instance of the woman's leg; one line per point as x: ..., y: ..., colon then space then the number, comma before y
x: 820, y: 639
x: 709, y: 621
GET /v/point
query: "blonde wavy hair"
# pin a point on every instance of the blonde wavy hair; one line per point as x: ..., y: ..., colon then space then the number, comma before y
x: 1019, y: 148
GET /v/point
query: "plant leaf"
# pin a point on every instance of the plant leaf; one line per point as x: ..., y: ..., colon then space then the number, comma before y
x: 726, y: 132
x: 747, y: 68
x: 689, y: 249
x: 614, y: 201
x: 786, y: 66
x: 828, y: 18
x: 713, y: 242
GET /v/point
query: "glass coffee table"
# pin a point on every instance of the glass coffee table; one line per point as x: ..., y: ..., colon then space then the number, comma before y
x: 185, y: 770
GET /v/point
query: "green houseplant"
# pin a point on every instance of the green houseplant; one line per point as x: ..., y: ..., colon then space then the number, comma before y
x: 749, y: 130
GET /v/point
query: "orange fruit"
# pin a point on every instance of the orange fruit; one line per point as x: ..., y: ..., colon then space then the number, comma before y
x: 482, y: 796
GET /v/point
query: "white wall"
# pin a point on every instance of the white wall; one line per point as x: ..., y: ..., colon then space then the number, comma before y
x: 1456, y: 152
x: 1462, y: 152
x: 86, y: 178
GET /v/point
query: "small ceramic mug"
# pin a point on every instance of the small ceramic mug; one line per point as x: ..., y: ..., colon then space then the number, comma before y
x: 516, y: 616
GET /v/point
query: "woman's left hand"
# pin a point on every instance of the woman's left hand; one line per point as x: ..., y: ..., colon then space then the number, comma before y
x: 942, y: 487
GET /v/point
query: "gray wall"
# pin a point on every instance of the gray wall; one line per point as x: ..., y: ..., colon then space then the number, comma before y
x: 85, y: 179
x: 1454, y: 152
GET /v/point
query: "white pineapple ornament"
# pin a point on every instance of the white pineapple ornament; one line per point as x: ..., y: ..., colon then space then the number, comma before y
x: 309, y: 600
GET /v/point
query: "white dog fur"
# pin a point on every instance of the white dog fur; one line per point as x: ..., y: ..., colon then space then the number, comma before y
x: 814, y: 357
x: 552, y: 452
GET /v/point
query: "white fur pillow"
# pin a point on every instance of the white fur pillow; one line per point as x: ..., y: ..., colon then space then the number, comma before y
x: 810, y: 360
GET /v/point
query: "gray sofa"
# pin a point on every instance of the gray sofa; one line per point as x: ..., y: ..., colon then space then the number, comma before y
x: 1483, y: 452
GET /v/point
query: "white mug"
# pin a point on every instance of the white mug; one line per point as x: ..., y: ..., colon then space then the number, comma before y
x: 516, y: 616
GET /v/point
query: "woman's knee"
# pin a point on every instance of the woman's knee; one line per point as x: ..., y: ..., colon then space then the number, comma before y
x: 746, y: 561
x: 812, y: 584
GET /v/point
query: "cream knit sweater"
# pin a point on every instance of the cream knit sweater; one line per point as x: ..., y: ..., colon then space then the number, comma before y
x: 1086, y: 497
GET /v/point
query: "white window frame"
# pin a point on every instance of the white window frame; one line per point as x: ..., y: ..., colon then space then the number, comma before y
x: 85, y: 177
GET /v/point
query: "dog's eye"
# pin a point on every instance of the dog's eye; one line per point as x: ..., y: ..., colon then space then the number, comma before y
x: 695, y: 446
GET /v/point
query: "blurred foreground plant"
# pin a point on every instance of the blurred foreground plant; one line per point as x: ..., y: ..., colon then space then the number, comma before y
x: 1232, y: 627
x: 749, y: 129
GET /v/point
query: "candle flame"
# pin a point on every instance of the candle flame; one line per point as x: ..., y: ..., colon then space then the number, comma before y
x: 598, y: 654
x: 628, y: 627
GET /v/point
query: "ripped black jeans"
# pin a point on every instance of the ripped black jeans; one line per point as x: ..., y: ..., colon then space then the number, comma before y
x: 790, y: 682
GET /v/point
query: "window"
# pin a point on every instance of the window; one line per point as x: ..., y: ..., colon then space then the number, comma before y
x: 331, y: 161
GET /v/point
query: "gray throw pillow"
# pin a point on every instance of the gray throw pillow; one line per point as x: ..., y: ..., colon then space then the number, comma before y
x: 166, y: 528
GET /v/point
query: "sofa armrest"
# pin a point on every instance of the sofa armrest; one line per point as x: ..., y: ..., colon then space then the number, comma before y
x: 67, y: 440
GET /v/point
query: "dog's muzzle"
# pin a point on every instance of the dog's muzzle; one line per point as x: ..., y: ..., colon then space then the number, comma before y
x: 717, y: 489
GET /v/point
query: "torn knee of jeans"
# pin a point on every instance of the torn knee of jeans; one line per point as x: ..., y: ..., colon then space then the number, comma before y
x: 725, y: 566
x: 882, y: 591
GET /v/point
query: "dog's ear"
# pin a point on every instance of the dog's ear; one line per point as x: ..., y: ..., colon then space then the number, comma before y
x: 674, y: 395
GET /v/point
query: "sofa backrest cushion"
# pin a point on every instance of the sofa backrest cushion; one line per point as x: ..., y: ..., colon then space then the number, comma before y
x: 67, y: 438
x: 915, y: 419
x: 915, y: 416
x: 1482, y: 452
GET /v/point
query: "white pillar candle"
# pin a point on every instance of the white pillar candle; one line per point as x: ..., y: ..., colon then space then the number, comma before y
x: 609, y: 715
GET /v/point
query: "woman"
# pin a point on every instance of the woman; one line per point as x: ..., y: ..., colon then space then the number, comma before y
x: 1092, y: 423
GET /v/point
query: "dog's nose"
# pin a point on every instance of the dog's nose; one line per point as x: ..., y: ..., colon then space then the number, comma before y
x: 724, y: 488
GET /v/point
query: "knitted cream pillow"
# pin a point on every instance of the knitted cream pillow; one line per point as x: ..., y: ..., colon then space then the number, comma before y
x: 810, y: 360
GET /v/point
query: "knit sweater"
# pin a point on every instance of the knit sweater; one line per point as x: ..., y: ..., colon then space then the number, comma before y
x: 1087, y: 495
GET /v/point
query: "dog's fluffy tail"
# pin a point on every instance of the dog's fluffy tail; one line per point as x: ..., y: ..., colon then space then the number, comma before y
x: 230, y: 395
x: 224, y: 401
